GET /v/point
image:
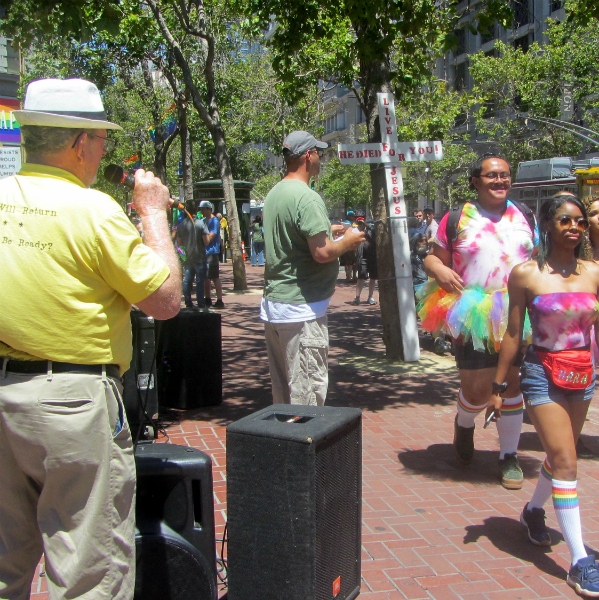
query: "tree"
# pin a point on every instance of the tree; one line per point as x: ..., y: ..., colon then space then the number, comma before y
x: 515, y: 85
x: 176, y: 28
x: 369, y: 47
x: 344, y: 186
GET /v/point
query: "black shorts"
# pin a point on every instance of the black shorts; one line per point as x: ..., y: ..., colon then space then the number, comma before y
x: 467, y: 358
x: 213, y: 269
x: 367, y: 269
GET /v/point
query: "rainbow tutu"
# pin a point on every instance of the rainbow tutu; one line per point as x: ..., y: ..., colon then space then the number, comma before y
x: 473, y: 314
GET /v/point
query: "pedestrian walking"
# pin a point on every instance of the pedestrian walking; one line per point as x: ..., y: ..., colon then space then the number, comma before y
x: 560, y: 292
x: 476, y: 247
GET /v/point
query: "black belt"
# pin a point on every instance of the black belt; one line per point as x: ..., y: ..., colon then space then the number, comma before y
x: 40, y: 367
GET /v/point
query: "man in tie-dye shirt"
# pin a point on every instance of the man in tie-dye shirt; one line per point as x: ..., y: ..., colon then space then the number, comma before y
x: 471, y: 273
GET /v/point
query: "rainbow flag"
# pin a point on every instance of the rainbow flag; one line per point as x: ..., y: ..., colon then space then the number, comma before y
x: 169, y: 123
x: 10, y: 131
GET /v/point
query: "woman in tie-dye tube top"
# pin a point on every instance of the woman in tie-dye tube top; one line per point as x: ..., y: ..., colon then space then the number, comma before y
x: 557, y: 379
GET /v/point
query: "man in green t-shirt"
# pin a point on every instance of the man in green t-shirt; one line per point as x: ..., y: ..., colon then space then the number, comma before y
x: 299, y: 279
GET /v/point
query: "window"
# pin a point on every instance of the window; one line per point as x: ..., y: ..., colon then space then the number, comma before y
x: 461, y: 44
x: 521, y: 13
x: 555, y: 5
x: 360, y: 116
x: 340, y: 120
x: 488, y: 35
x: 490, y: 108
x: 522, y: 43
x: 461, y: 119
x: 461, y: 72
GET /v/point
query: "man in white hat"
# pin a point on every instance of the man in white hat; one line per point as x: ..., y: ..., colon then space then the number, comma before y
x: 302, y: 266
x: 72, y: 266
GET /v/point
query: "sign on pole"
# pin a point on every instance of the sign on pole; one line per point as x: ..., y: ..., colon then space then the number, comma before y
x: 10, y: 161
x: 392, y: 153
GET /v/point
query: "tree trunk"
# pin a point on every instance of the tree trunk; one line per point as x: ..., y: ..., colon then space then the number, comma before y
x: 186, y: 157
x: 224, y: 167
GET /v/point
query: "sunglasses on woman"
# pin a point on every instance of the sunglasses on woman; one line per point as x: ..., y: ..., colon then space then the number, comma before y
x: 566, y: 221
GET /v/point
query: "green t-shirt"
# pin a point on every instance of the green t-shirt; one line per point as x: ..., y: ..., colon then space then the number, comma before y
x: 292, y: 213
x: 257, y: 234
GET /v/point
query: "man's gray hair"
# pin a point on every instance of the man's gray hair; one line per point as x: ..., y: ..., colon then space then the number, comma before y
x: 39, y: 141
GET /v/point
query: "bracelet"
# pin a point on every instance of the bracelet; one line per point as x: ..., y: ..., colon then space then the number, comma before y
x: 499, y: 388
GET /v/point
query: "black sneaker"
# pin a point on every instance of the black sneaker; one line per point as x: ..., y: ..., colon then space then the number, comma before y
x: 584, y: 577
x: 463, y: 442
x: 534, y: 521
x: 219, y: 304
x: 208, y: 301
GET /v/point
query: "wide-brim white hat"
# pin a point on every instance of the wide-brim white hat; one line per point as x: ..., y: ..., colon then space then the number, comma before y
x: 70, y: 103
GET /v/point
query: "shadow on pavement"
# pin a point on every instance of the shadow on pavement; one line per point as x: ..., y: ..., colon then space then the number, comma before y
x: 438, y: 462
x: 509, y: 536
x: 246, y: 378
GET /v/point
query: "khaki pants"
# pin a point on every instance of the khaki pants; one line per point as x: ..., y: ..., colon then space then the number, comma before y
x: 298, y: 355
x: 67, y: 477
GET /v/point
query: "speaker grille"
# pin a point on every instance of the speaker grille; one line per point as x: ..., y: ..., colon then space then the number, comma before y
x: 337, y: 494
x: 171, y: 569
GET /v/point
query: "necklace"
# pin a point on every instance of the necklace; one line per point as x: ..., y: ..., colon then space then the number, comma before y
x: 564, y: 271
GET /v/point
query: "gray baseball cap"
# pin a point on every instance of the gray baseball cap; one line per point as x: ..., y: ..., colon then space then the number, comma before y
x: 299, y: 142
x: 206, y: 204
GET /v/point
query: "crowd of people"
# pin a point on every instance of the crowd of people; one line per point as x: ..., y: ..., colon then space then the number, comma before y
x: 517, y: 296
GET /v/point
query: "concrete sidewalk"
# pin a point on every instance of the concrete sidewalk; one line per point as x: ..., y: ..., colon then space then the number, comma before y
x: 431, y: 528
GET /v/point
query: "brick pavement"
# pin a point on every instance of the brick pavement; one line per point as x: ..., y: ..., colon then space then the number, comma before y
x: 431, y: 528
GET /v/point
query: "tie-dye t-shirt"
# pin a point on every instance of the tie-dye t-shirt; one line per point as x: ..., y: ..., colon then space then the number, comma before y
x: 563, y: 320
x: 488, y: 246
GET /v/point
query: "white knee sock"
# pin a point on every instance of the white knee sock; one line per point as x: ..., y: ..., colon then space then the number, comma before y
x: 509, y: 425
x: 565, y: 502
x: 467, y: 412
x: 544, y: 487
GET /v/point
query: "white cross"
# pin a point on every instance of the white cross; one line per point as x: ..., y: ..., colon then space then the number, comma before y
x: 392, y: 153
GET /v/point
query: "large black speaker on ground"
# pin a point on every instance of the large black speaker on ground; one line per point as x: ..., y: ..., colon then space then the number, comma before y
x: 190, y: 369
x: 294, y: 496
x: 139, y: 383
x: 175, y: 546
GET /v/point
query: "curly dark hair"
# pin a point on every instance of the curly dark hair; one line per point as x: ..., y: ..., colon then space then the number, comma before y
x: 546, y: 216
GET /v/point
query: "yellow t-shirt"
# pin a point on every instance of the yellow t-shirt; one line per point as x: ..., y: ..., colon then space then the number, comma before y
x: 71, y: 265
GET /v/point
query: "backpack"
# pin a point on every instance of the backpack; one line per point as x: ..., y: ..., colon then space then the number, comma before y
x: 456, y: 213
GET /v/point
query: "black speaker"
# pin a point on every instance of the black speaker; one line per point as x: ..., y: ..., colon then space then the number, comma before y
x: 175, y: 546
x: 190, y: 369
x: 294, y: 496
x: 139, y: 382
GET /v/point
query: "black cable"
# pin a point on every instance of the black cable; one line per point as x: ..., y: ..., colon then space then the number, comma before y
x: 221, y: 572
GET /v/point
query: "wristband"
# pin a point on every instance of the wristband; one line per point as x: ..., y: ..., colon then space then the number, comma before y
x: 499, y: 388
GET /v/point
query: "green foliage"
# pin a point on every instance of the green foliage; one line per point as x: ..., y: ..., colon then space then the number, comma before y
x: 514, y: 85
x: 344, y: 186
x: 264, y: 184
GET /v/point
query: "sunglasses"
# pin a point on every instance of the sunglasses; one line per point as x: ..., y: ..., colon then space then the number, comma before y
x: 566, y: 221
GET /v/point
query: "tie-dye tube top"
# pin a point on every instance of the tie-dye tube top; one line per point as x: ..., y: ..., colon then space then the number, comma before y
x: 563, y: 320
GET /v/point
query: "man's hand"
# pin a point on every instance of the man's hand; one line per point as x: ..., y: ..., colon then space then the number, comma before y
x: 354, y: 237
x: 338, y: 229
x: 149, y: 194
x: 494, y: 405
x: 448, y: 279
x: 436, y: 266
